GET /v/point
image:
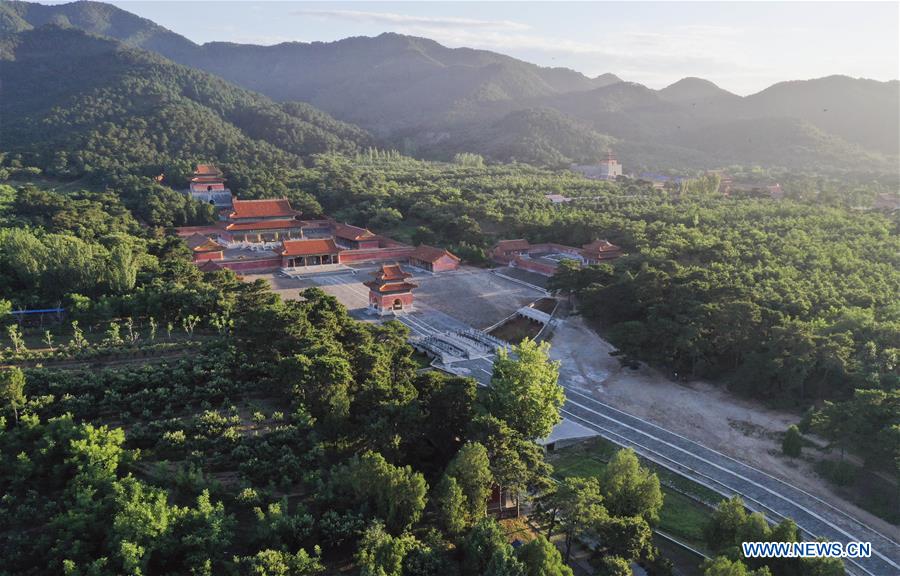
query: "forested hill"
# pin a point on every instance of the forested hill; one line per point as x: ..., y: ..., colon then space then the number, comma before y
x: 85, y: 103
x: 434, y: 101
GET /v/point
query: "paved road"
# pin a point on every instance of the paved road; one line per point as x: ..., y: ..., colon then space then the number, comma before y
x: 760, y: 491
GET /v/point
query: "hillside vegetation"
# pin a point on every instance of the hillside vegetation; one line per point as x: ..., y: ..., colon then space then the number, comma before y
x: 95, y: 105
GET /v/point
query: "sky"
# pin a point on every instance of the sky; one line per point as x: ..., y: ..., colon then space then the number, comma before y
x: 743, y: 47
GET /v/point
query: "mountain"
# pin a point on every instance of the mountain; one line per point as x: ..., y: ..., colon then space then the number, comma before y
x: 93, y: 17
x: 694, y: 90
x: 862, y: 111
x: 384, y: 83
x: 102, y: 105
x: 432, y: 100
x: 540, y: 136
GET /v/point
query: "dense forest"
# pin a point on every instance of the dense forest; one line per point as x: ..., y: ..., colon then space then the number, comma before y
x: 182, y: 422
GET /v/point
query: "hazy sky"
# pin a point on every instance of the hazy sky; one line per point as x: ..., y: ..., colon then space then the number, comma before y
x: 742, y: 47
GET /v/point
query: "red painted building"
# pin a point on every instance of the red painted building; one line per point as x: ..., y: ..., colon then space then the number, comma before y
x: 354, y: 237
x: 268, y: 209
x: 433, y: 259
x: 389, y: 292
x: 208, y: 185
x: 263, y: 221
x: 203, y: 248
x: 311, y: 252
x: 600, y: 251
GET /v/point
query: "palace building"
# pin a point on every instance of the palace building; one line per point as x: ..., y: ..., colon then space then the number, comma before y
x: 600, y: 251
x: 263, y: 221
x: 354, y: 237
x: 310, y: 252
x: 267, y: 235
x: 433, y: 259
x: 389, y: 292
x: 207, y: 185
x: 204, y: 248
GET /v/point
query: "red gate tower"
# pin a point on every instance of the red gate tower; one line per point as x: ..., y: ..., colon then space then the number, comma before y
x: 389, y: 292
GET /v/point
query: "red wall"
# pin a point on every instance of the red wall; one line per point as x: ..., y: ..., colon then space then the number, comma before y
x: 386, y: 301
x: 262, y: 265
x: 541, y: 268
x: 444, y: 263
x: 204, y: 256
x: 375, y: 255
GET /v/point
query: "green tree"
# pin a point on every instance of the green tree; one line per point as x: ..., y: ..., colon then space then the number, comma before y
x: 397, y: 494
x: 792, y: 444
x: 541, y: 558
x: 724, y: 527
x: 629, y: 489
x: 483, y: 541
x: 524, y: 390
x: 722, y: 566
x: 279, y: 563
x: 12, y: 389
x: 577, y: 507
x: 452, y: 505
x: 614, y: 566
x: 381, y: 554
x: 472, y: 470
x: 629, y: 537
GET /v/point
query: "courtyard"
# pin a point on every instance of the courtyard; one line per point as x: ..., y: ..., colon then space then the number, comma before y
x: 471, y: 296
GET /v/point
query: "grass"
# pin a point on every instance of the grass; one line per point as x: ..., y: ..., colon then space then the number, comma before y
x: 516, y: 329
x: 681, y: 516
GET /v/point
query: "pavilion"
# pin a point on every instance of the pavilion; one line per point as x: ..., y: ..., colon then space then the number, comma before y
x: 309, y: 252
x: 389, y: 292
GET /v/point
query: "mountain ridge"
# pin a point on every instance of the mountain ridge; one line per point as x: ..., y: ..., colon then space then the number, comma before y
x: 407, y: 89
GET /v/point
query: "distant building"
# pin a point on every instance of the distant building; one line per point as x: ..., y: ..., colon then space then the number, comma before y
x: 207, y: 185
x: 607, y: 169
x: 600, y: 251
x: 389, y: 292
x: 544, y: 258
x: 433, y: 259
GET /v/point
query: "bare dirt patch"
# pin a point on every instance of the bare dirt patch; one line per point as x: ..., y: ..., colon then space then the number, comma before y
x: 740, y: 428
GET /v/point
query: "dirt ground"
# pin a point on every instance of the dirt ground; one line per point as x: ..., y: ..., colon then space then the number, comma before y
x: 740, y: 428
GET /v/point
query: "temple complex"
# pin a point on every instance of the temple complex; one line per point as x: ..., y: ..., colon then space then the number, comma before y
x: 267, y: 235
x: 389, y: 292
x: 544, y: 258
